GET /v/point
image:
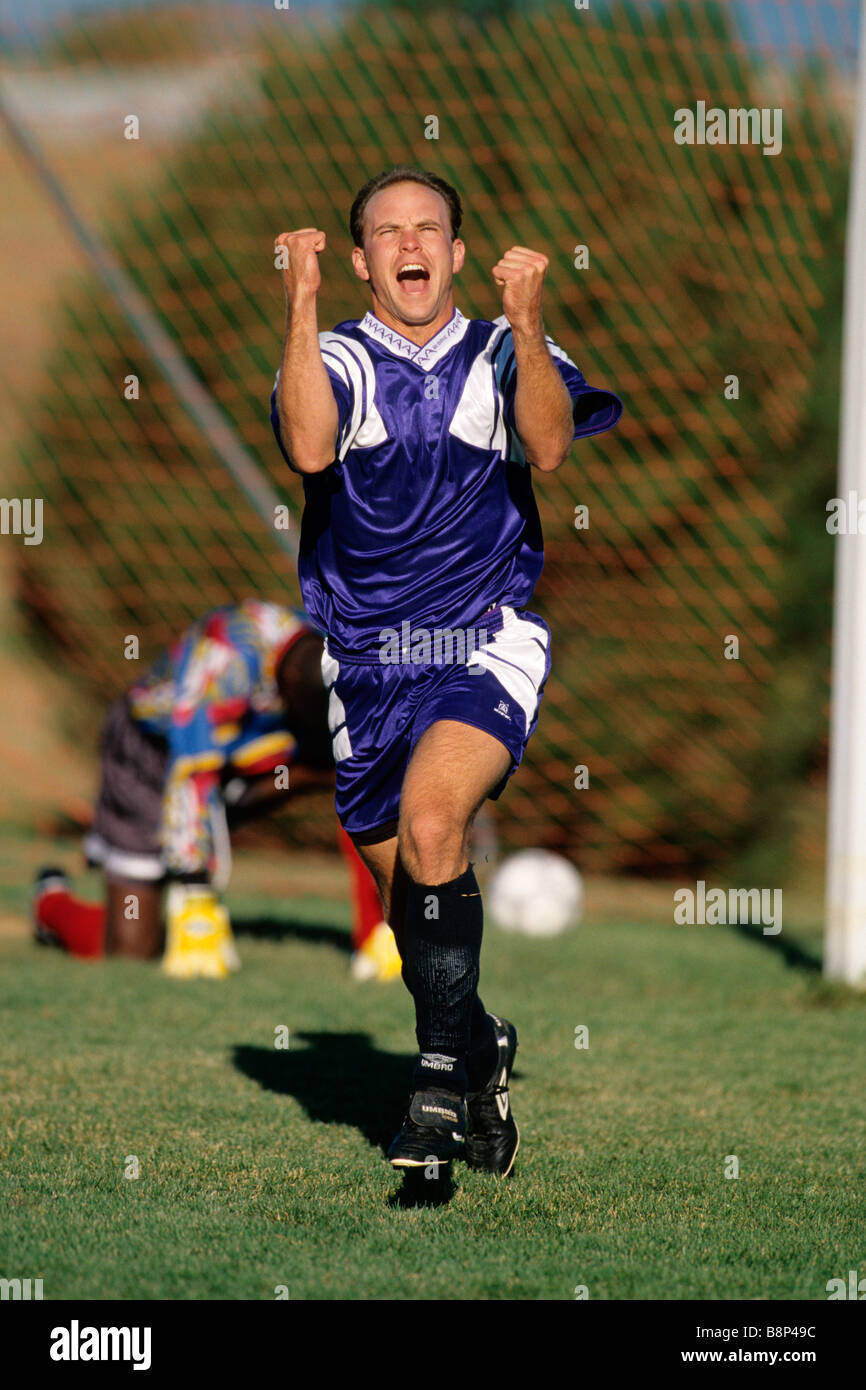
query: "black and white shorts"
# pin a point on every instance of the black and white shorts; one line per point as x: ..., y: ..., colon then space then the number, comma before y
x: 124, y: 838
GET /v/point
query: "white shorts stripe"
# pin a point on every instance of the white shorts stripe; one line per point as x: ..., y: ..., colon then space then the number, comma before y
x: 122, y: 863
x: 517, y: 657
x: 340, y: 741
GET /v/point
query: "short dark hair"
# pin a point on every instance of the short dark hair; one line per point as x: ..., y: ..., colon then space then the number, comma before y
x: 403, y: 173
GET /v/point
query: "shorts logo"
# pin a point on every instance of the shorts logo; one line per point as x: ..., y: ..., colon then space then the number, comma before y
x: 502, y: 708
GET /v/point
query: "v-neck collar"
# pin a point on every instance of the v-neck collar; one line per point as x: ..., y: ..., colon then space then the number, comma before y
x: 430, y: 352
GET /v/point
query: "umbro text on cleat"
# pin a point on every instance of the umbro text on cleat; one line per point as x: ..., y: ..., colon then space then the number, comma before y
x: 492, y: 1137
x: 433, y: 1131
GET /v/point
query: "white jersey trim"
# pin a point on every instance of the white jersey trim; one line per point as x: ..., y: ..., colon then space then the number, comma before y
x: 429, y: 353
x: 351, y: 363
x: 480, y: 415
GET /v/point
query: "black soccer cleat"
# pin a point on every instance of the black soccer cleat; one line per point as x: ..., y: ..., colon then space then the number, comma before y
x: 433, y: 1131
x: 492, y: 1137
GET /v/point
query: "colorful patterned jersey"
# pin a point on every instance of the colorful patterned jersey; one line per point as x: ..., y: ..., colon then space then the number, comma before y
x: 427, y: 514
x: 213, y: 697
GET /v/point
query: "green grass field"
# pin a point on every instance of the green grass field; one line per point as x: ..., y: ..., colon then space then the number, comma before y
x: 262, y: 1168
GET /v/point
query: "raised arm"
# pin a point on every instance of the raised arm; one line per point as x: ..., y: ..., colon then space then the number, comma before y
x: 542, y: 405
x: 307, y: 410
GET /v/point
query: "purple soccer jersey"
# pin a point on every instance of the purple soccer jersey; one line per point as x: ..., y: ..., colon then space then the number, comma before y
x: 427, y: 514
x: 426, y: 524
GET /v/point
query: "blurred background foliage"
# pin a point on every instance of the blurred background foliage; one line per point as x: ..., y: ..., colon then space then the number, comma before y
x: 706, y: 514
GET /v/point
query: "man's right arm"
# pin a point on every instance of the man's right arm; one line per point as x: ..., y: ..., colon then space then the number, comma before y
x: 305, y: 403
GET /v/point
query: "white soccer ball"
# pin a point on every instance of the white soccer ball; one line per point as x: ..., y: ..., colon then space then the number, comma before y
x: 536, y: 893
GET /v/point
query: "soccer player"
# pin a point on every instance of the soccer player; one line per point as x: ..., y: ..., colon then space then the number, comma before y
x: 228, y: 723
x: 416, y: 431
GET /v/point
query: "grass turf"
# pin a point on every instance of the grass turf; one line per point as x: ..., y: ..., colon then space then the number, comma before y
x: 262, y: 1168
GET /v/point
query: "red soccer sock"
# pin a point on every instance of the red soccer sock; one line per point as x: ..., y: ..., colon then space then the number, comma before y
x: 367, y: 908
x: 79, y: 926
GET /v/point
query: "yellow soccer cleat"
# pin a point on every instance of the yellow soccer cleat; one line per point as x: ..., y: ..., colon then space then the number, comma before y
x: 378, y: 958
x: 199, y: 943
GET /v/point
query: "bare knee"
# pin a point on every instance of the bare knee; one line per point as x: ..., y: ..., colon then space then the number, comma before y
x: 432, y: 843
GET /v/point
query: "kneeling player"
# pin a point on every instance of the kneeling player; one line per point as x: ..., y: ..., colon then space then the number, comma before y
x: 227, y: 724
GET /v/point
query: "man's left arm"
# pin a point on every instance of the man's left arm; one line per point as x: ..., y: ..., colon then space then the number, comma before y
x: 549, y: 404
x: 542, y: 405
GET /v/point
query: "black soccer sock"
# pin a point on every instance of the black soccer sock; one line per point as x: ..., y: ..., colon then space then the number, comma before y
x: 440, y: 1071
x: 484, y: 1050
x: 441, y: 954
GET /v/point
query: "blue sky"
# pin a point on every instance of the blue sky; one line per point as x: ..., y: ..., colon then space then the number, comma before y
x: 835, y: 18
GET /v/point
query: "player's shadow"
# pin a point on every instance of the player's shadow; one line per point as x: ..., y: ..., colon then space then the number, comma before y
x: 281, y: 928
x: 795, y: 955
x: 340, y: 1079
x: 431, y: 1186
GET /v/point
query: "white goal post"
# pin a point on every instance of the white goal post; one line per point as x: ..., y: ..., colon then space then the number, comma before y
x: 845, y: 928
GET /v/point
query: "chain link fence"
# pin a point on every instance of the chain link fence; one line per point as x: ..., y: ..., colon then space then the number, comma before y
x: 689, y: 569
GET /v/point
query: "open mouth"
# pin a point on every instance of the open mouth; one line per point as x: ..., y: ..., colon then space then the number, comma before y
x: 413, y: 274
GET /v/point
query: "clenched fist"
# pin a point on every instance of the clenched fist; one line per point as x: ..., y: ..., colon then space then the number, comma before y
x: 297, y: 255
x: 520, y: 276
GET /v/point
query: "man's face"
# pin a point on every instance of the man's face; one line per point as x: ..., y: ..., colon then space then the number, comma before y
x: 408, y: 257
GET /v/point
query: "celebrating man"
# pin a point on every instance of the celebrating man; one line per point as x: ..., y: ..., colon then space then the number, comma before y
x: 414, y: 429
